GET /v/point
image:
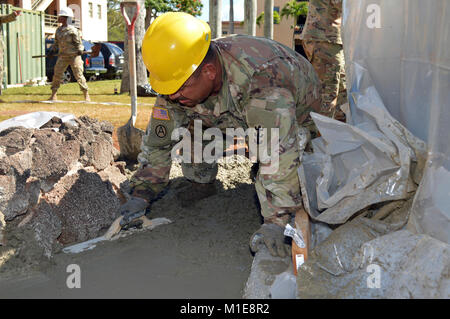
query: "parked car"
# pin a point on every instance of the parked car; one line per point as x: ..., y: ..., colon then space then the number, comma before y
x: 93, y: 66
x: 113, y: 56
x: 120, y: 44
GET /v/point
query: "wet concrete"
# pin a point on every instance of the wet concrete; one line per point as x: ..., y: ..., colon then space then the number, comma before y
x: 204, y: 253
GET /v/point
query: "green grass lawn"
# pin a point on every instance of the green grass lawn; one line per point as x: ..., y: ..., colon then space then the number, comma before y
x: 100, y: 91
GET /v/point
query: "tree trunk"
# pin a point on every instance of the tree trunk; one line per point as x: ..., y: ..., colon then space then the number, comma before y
x: 250, y: 17
x: 215, y: 18
x: 231, y: 17
x: 141, y: 70
x: 148, y: 17
x: 268, y: 19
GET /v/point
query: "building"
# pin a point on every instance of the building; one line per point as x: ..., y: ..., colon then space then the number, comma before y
x: 90, y: 15
x: 283, y: 32
x: 238, y: 28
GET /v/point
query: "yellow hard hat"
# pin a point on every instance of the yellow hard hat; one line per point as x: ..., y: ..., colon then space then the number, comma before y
x: 173, y: 47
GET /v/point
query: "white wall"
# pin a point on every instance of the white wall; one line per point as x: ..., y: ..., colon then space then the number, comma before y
x: 94, y: 29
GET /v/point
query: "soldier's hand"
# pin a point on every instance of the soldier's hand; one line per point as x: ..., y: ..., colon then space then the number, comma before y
x: 17, y: 13
x: 272, y: 236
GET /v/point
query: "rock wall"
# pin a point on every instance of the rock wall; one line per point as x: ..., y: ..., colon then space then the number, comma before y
x: 59, y: 185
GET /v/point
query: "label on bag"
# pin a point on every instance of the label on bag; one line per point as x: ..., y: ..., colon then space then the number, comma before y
x: 296, y: 235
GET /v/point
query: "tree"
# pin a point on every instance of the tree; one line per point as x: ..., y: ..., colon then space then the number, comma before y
x: 193, y: 7
x: 294, y: 9
x: 268, y: 19
x: 215, y: 18
x: 141, y: 70
x: 231, y: 17
x: 156, y: 7
x: 250, y: 16
x: 116, y: 24
x: 260, y: 18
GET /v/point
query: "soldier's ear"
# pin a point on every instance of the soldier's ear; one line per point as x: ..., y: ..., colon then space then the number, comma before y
x: 210, y: 71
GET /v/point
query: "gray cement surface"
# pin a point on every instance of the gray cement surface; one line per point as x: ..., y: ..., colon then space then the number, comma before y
x: 204, y: 253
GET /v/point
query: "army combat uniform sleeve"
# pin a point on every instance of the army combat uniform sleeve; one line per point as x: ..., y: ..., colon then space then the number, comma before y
x: 77, y: 41
x: 273, y: 104
x: 7, y: 18
x: 55, y: 46
x: 155, y: 157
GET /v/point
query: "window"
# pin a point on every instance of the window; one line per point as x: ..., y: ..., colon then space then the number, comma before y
x: 277, y: 9
x: 99, y: 12
x: 91, y: 10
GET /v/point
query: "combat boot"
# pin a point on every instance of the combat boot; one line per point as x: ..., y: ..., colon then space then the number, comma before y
x: 87, y: 98
x: 53, y: 97
x: 195, y: 192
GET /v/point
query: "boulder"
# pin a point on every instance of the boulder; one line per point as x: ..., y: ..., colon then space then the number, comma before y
x: 59, y: 184
x: 85, y: 204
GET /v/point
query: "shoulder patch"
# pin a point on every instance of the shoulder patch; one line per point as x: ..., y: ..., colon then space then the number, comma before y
x: 160, y: 113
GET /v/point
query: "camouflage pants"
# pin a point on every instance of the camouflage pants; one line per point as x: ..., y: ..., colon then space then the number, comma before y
x: 76, y: 63
x: 328, y: 61
x: 206, y: 173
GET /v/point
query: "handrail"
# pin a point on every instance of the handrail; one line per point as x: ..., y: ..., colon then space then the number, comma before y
x: 52, y: 21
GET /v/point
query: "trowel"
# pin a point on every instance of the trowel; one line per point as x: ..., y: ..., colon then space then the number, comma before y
x: 113, y: 230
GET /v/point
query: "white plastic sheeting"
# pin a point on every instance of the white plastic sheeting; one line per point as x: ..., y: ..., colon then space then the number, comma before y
x: 398, y: 78
x: 354, y: 166
x: 407, y: 55
x: 35, y: 119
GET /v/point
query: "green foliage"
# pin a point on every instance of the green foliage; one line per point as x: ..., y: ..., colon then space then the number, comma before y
x: 116, y: 24
x: 193, y: 7
x: 294, y: 9
x: 260, y: 18
x: 276, y: 17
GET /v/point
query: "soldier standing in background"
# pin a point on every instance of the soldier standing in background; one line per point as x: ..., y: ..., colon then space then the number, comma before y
x: 5, y: 19
x: 323, y: 46
x: 68, y: 42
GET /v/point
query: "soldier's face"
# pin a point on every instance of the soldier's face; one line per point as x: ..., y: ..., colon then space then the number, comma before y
x: 62, y: 19
x: 197, y: 88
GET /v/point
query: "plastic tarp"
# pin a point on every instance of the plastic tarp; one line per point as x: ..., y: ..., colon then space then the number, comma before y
x: 375, y: 258
x: 354, y: 166
x: 35, y: 119
x: 398, y: 80
x: 408, y: 58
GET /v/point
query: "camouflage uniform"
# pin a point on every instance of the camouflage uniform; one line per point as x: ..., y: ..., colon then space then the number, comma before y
x: 3, y: 19
x: 323, y: 46
x: 68, y: 42
x: 264, y: 84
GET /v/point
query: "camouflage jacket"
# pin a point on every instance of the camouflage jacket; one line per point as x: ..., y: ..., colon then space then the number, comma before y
x: 264, y: 83
x: 7, y: 18
x: 67, y: 41
x: 324, y: 21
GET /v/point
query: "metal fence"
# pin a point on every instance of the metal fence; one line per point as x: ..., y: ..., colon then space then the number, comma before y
x: 51, y: 21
